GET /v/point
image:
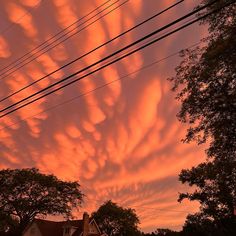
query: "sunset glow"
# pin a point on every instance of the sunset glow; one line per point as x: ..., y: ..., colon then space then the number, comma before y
x: 121, y: 141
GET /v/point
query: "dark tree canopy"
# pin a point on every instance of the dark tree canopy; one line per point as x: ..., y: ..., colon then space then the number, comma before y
x: 117, y: 221
x: 26, y: 193
x: 205, y: 82
x: 216, y: 192
x: 206, y: 85
x: 7, y: 222
x: 163, y: 232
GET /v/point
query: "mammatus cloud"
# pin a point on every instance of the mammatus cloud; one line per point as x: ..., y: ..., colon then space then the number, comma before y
x: 19, y: 15
x: 4, y: 50
x: 121, y: 142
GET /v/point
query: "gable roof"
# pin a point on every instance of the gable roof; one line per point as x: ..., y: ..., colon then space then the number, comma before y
x: 49, y: 228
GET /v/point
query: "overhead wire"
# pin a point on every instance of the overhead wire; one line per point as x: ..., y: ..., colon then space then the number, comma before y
x: 4, y: 75
x: 109, y: 56
x: 102, y: 86
x: 93, y: 50
x: 133, y: 72
x: 118, y: 59
x: 165, y: 32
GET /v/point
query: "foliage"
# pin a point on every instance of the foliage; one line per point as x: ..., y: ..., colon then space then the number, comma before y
x: 7, y: 222
x: 165, y: 232
x: 216, y: 192
x: 162, y: 232
x: 205, y: 82
x: 200, y: 225
x: 117, y: 221
x: 216, y: 187
x: 27, y: 193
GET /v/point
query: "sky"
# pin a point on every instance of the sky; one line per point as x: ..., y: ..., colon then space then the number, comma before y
x: 121, y: 141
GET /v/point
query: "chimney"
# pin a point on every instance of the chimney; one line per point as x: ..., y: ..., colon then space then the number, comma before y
x: 85, y: 224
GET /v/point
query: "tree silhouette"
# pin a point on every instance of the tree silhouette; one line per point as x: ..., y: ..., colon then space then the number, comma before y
x: 205, y: 82
x: 117, y: 221
x: 27, y: 193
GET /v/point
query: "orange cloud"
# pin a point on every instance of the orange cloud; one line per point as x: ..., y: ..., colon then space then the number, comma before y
x: 4, y: 49
x: 65, y: 12
x: 31, y: 3
x: 22, y: 17
x: 121, y: 142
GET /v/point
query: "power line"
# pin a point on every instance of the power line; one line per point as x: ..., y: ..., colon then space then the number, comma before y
x: 168, y: 31
x: 96, y: 70
x: 193, y: 12
x: 118, y: 59
x: 32, y: 58
x: 54, y: 36
x: 102, y: 86
x: 126, y: 47
x: 93, y: 50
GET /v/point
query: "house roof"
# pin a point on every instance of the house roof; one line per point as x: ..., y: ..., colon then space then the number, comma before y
x: 49, y: 228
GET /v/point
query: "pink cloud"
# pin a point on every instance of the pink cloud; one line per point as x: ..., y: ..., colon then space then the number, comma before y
x: 19, y: 15
x: 4, y: 49
x: 121, y: 142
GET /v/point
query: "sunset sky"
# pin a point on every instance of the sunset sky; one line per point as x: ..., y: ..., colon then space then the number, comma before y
x: 121, y: 141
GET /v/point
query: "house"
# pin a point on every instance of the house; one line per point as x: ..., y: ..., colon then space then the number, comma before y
x: 84, y: 227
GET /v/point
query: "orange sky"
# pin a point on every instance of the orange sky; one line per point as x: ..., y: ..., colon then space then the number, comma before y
x: 121, y: 142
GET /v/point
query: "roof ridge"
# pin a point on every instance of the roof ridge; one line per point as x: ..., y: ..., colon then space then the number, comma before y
x: 63, y: 221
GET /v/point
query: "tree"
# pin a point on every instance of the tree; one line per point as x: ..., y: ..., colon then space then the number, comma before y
x: 117, y: 221
x: 27, y: 193
x: 216, y: 191
x: 205, y: 82
x: 7, y: 222
x: 162, y: 232
x: 165, y: 232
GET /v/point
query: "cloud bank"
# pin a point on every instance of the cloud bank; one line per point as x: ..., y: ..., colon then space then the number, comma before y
x: 121, y: 142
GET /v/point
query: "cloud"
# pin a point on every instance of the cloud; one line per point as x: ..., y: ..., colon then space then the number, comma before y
x: 19, y: 15
x: 65, y: 12
x: 122, y: 141
x: 31, y: 3
x: 4, y: 49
